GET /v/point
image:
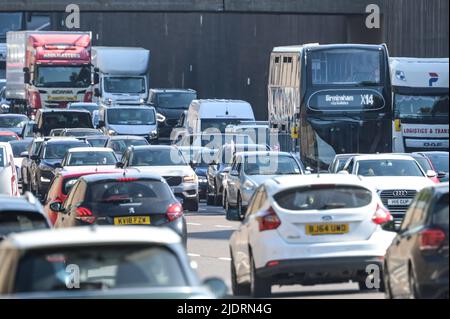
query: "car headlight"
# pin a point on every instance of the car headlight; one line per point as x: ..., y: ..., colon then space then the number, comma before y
x: 202, y: 179
x: 112, y: 132
x: 153, y: 134
x: 45, y: 168
x: 190, y: 179
x: 248, y: 185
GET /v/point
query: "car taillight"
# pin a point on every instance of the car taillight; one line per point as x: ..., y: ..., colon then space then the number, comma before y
x: 88, y: 96
x: 431, y: 239
x: 127, y: 179
x: 35, y: 100
x: 174, y: 211
x: 85, y: 215
x: 268, y: 220
x: 381, y: 216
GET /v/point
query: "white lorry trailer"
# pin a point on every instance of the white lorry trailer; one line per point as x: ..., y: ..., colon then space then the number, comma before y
x: 420, y: 104
x: 120, y: 75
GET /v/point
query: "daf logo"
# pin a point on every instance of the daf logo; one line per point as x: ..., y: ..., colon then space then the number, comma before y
x: 400, y: 193
x: 327, y: 218
x: 131, y: 210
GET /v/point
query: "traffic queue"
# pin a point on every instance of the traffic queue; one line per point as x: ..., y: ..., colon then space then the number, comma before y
x: 105, y: 185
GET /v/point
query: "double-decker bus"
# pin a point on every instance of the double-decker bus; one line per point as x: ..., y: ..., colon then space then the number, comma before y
x: 420, y: 104
x: 332, y: 99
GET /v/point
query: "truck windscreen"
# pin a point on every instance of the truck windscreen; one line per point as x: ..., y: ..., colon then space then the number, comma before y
x: 345, y: 67
x: 133, y: 85
x: 62, y: 76
x: 122, y: 116
x: 420, y: 106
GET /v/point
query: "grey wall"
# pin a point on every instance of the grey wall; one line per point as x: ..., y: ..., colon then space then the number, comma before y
x: 215, y: 46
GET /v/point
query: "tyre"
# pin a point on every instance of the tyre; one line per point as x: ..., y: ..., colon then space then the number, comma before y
x: 259, y: 287
x: 209, y: 200
x: 413, y: 286
x: 224, y: 199
x: 237, y: 288
x: 192, y: 205
x: 240, y: 208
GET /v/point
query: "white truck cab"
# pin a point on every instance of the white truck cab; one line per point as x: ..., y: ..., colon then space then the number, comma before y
x: 420, y: 104
x: 120, y: 75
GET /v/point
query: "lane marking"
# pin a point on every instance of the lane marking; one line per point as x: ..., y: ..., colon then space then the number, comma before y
x: 193, y: 255
x: 194, y: 224
x: 223, y: 226
x: 224, y: 258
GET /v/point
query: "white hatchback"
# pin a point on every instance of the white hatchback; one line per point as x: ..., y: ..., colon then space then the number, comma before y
x: 309, y: 230
x: 8, y: 173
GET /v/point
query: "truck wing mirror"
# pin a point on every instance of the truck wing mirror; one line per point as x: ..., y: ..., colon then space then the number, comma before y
x: 97, y: 92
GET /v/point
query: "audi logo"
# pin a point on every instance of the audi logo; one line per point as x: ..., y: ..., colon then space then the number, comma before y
x: 400, y: 193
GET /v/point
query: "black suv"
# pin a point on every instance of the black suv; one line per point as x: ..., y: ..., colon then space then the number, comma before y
x: 48, y: 119
x: 19, y: 214
x: 49, y: 158
x: 416, y: 263
x: 171, y: 103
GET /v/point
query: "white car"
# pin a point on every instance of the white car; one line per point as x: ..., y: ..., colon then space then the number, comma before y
x: 309, y: 230
x: 397, y: 179
x: 168, y: 162
x: 9, y: 181
x: 97, y: 159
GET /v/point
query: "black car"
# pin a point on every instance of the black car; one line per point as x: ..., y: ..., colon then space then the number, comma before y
x: 13, y: 122
x: 171, y: 103
x: 121, y: 199
x: 416, y: 263
x: 201, y: 162
x: 27, y: 163
x: 20, y: 214
x: 49, y: 119
x: 221, y: 166
x: 50, y: 155
x: 119, y: 143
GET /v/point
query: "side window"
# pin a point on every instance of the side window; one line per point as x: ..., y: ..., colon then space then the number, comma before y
x: 125, y: 158
x: 78, y: 196
x: 53, y: 190
x: 420, y: 212
x: 350, y: 166
x: 253, y: 203
x: 69, y: 199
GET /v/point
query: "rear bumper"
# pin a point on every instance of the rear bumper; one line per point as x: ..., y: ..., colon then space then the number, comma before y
x: 321, y: 270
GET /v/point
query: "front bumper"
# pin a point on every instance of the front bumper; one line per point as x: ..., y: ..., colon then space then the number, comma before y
x: 185, y: 191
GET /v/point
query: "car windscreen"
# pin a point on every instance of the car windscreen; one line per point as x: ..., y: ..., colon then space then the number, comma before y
x: 119, y: 146
x: 17, y: 222
x: 323, y: 197
x: 122, y: 116
x: 66, y: 120
x: 97, y: 142
x: 228, y: 151
x: 99, y: 267
x: 270, y: 165
x: 157, y: 157
x: 130, y: 85
x: 58, y: 150
x: 388, y: 167
x: 13, y: 121
x: 19, y: 147
x: 175, y: 100
x: 440, y: 214
x: 91, y: 158
x: 219, y: 125
x: 440, y: 161
x: 128, y: 191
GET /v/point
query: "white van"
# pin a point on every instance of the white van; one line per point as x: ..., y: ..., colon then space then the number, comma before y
x: 8, y: 174
x: 215, y: 115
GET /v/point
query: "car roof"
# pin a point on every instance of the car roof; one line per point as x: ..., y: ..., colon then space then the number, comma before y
x: 280, y: 183
x: 154, y: 147
x: 63, y: 140
x: 174, y: 90
x: 244, y: 146
x: 14, y: 115
x: 124, y: 174
x: 70, y: 174
x: 129, y: 106
x: 383, y: 157
x: 26, y: 203
x: 433, y: 152
x: 126, y: 137
x: 90, y: 149
x: 93, y: 235
x: 81, y: 129
x: 6, y: 133
x: 266, y: 153
x: 63, y: 111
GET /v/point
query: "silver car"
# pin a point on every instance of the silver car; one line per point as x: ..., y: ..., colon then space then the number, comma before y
x: 249, y: 170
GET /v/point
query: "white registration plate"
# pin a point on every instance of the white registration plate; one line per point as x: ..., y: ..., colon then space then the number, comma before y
x: 400, y: 201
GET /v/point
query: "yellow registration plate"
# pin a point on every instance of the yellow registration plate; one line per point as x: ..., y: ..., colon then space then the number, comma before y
x: 132, y: 220
x: 326, y: 229
x: 61, y: 98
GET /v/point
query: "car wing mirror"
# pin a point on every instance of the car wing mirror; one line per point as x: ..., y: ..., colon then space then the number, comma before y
x: 441, y: 174
x: 57, y: 207
x: 431, y: 173
x: 119, y: 165
x: 24, y: 154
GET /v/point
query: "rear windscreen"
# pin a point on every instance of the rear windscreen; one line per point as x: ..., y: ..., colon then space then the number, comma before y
x: 441, y: 211
x: 323, y: 197
x: 66, y: 120
x: 13, y: 222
